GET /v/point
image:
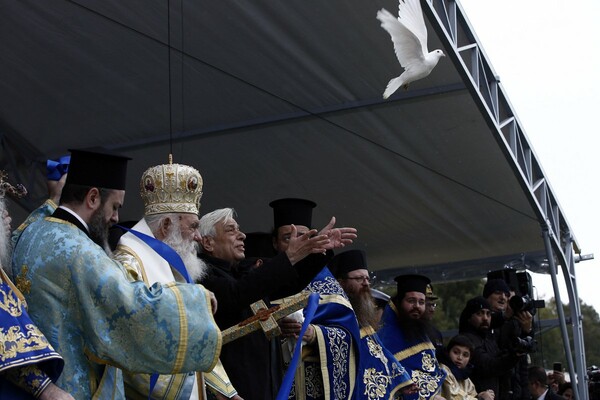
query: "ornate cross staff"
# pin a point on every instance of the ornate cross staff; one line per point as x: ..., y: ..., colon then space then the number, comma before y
x: 266, y: 318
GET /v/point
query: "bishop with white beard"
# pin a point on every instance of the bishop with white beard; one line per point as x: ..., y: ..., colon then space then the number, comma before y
x: 171, y: 195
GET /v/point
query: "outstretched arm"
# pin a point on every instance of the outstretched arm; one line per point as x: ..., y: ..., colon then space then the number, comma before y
x: 338, y: 237
x: 306, y: 244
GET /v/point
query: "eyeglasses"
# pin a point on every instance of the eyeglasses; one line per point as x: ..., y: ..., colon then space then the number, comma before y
x: 360, y: 279
x: 431, y: 305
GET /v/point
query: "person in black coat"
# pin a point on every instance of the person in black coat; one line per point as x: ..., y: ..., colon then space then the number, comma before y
x: 489, y: 361
x: 538, y: 385
x: 248, y: 360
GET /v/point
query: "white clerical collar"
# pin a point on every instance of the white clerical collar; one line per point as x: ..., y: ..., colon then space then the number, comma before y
x: 76, y: 216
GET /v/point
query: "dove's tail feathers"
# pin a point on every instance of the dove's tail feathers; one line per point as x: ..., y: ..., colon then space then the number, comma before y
x: 392, y: 86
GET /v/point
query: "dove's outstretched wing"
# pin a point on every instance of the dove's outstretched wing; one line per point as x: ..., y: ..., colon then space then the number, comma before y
x: 410, y: 15
x: 409, y: 35
x: 407, y: 45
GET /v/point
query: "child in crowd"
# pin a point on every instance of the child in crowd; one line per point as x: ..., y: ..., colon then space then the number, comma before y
x: 455, y: 360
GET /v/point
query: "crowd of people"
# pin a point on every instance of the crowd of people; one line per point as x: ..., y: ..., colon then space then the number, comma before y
x: 141, y: 316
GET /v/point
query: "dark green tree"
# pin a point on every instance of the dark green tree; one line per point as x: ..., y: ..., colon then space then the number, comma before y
x: 551, y: 347
x: 452, y: 299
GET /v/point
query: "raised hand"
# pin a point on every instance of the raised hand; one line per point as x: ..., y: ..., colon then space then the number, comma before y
x: 525, y: 320
x: 338, y: 237
x: 55, y: 188
x: 309, y: 243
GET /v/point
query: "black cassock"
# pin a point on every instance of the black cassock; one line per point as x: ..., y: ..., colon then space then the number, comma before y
x: 253, y: 363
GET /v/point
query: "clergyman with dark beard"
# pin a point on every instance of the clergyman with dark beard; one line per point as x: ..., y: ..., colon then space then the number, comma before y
x: 351, y: 271
x: 97, y: 319
x: 406, y: 334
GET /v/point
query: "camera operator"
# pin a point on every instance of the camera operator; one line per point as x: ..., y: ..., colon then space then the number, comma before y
x: 512, y: 329
x: 593, y: 374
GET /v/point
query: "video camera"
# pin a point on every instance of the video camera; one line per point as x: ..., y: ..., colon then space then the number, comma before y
x: 523, y: 303
x: 593, y: 374
x: 521, y: 283
x: 524, y: 345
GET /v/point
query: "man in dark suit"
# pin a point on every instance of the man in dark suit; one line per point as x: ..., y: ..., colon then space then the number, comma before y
x: 538, y: 385
x: 248, y: 360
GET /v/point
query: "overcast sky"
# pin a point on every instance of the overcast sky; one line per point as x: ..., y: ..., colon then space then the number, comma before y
x: 547, y: 55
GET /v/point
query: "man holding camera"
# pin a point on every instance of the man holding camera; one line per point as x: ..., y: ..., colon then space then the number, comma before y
x: 500, y: 297
x: 512, y: 327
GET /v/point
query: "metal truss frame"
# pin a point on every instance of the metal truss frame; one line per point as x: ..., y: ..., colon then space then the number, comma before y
x: 463, y: 48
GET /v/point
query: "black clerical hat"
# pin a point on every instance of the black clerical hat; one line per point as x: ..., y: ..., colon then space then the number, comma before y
x: 348, y: 261
x: 292, y: 211
x: 101, y: 170
x: 411, y: 283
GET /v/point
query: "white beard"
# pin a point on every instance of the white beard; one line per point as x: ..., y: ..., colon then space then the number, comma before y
x: 188, y: 251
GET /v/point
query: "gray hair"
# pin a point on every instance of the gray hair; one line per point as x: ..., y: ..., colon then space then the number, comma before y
x: 154, y: 220
x: 208, y: 221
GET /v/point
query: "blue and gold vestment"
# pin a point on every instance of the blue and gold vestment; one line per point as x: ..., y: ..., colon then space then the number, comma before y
x: 351, y: 362
x: 99, y: 321
x: 28, y: 363
x: 417, y: 356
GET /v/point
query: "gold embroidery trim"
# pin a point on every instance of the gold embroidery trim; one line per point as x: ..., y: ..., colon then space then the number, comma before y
x: 126, y: 256
x: 334, y: 298
x: 366, y: 331
x: 214, y: 324
x: 9, y: 302
x: 183, y: 329
x: 14, y: 342
x: 411, y: 351
x: 23, y: 284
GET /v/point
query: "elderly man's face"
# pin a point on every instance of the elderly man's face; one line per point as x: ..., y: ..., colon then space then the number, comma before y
x: 183, y: 237
x: 413, y: 304
x: 188, y: 226
x: 284, y: 234
x: 498, y: 301
x: 228, y: 242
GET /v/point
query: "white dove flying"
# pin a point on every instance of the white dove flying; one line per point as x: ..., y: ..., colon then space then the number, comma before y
x: 409, y: 36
